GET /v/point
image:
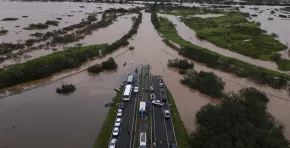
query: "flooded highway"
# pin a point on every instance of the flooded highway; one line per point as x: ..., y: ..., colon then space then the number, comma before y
x: 42, y: 118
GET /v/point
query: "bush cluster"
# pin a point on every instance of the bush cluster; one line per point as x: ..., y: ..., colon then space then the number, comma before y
x: 206, y: 82
x: 110, y: 64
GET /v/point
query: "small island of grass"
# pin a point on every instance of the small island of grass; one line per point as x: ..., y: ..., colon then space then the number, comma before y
x: 36, y: 26
x: 52, y: 23
x: 65, y: 88
x: 3, y: 32
x: 10, y: 19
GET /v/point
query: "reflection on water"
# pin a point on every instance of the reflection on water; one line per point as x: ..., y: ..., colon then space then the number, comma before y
x: 42, y: 117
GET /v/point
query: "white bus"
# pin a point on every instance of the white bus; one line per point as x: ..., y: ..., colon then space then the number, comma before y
x: 142, y: 140
x: 127, y: 93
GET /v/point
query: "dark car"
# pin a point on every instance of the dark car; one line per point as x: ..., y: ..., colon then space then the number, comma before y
x: 173, y: 145
x: 164, y: 99
x: 121, y: 105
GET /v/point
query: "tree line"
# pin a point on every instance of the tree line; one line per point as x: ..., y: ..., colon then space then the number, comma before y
x: 217, y: 62
x: 180, y: 64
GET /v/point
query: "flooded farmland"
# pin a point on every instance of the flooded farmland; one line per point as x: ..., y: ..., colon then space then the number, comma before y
x: 42, y: 118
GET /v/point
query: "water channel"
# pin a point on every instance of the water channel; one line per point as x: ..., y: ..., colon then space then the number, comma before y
x: 42, y: 118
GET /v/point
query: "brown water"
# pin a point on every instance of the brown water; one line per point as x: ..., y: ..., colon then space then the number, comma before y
x: 42, y: 117
x: 112, y: 32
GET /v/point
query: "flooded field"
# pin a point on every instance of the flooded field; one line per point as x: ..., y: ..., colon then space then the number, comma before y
x: 42, y: 118
x: 107, y: 35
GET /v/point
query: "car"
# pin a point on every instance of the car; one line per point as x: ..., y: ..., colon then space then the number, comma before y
x: 161, y: 85
x: 118, y: 122
x: 157, y: 102
x: 136, y: 90
x: 162, y: 90
x: 173, y: 145
x: 166, y: 114
x: 121, y: 105
x: 164, y: 99
x: 113, y: 143
x: 153, y: 97
x: 116, y: 131
x: 119, y: 113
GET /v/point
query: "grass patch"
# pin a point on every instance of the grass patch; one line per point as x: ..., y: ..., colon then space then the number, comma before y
x: 181, y: 134
x: 192, y: 11
x: 104, y: 136
x: 284, y: 64
x: 235, y: 33
x: 10, y: 19
x: 169, y: 32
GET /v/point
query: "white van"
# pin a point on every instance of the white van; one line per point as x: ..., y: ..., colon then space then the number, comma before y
x: 142, y: 140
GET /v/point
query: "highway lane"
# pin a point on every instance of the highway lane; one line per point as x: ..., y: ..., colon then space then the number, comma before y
x: 168, y: 122
x: 125, y: 138
x: 159, y: 123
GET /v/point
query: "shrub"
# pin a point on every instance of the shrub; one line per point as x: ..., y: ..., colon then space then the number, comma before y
x: 66, y: 88
x: 110, y: 64
x: 95, y: 69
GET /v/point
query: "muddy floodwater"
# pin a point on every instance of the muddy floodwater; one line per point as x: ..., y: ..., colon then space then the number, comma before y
x: 42, y: 118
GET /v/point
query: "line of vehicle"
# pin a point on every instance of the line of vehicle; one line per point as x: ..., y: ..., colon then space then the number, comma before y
x: 134, y: 114
x: 170, y: 113
x: 164, y: 119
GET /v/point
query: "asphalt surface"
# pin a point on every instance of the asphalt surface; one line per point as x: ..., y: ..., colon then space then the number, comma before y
x: 143, y: 123
x: 163, y: 130
x: 125, y: 138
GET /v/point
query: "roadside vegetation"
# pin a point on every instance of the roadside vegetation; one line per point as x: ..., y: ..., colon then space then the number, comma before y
x: 9, y: 19
x: 110, y: 64
x: 3, y: 32
x: 206, y: 82
x: 65, y: 88
x: 182, y: 137
x: 240, y: 120
x: 180, y: 64
x: 235, y: 33
x: 214, y: 60
x: 104, y: 135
